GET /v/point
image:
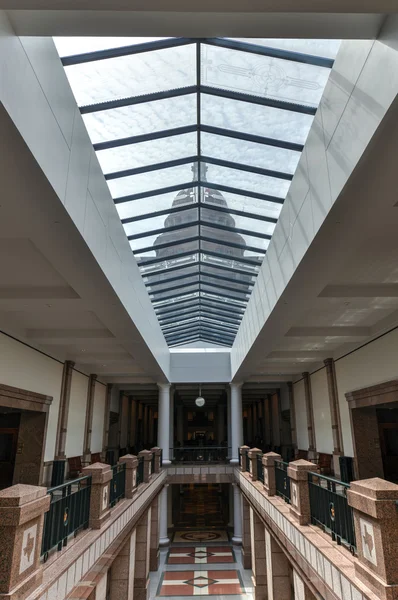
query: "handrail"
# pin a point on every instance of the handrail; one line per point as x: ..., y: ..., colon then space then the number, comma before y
x: 69, y: 512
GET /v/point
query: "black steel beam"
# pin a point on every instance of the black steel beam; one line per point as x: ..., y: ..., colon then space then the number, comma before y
x: 248, y: 137
x: 145, y: 137
x: 134, y: 100
x: 198, y: 286
x: 78, y: 59
x: 142, y: 262
x: 233, y: 245
x: 222, y: 278
x: 247, y: 168
x: 209, y: 265
x: 225, y: 325
x: 198, y: 304
x: 173, y: 288
x: 263, y: 236
x: 168, y: 164
x: 142, y: 234
x: 240, y: 213
x: 151, y: 193
x: 171, y: 307
x: 217, y: 277
x: 246, y: 261
x: 159, y: 213
x: 233, y: 190
x: 170, y: 280
x: 197, y: 312
x: 252, y: 48
x: 167, y: 245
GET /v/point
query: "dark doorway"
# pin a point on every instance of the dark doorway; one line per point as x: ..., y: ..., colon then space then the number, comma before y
x: 388, y: 430
x: 202, y: 506
x: 9, y: 429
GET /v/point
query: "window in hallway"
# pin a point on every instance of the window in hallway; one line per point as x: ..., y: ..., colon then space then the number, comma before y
x: 198, y: 141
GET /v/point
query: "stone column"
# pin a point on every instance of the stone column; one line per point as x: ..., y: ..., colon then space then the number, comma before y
x: 259, y: 563
x: 129, y: 409
x: 89, y: 419
x: 338, y: 448
x: 268, y: 420
x: 252, y: 457
x: 151, y: 436
x: 180, y: 423
x: 236, y: 421
x: 170, y: 506
x: 120, y: 423
x: 58, y: 473
x: 142, y: 546
x: 140, y: 428
x: 147, y: 456
x: 220, y: 424
x: 131, y: 474
x: 22, y: 509
x: 157, y: 452
x: 375, y: 504
x: 301, y: 590
x: 310, y: 415
x: 278, y: 570
x: 105, y: 431
x: 255, y: 421
x: 269, y: 472
x: 101, y: 476
x: 164, y: 421
x: 292, y: 408
x: 121, y: 573
x: 163, y: 537
x: 249, y: 440
x: 229, y: 429
x: 171, y: 424
x: 299, y: 490
x: 246, y: 539
x: 133, y: 433
x: 154, y: 547
x: 146, y: 425
x: 237, y: 537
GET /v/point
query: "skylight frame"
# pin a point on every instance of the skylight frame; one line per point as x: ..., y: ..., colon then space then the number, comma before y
x: 202, y: 298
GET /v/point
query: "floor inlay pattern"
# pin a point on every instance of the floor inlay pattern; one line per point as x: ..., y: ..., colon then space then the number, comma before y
x: 201, y: 536
x: 200, y: 555
x: 201, y: 583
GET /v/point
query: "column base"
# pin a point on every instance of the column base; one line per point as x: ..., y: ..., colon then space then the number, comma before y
x: 236, y: 540
x: 166, y: 461
x: 164, y: 541
x: 234, y: 461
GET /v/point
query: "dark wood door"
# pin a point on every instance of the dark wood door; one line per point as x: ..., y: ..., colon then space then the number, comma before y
x: 8, y: 448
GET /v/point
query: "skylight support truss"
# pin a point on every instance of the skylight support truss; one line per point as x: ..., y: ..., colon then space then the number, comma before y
x: 200, y: 165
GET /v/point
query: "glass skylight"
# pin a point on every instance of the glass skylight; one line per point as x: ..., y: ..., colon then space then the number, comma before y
x: 198, y: 141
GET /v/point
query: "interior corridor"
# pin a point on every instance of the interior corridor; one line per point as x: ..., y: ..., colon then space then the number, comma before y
x: 201, y: 560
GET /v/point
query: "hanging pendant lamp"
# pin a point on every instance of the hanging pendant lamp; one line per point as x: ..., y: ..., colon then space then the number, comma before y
x: 199, y: 400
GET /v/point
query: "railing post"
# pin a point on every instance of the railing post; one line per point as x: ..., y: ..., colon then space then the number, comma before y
x: 131, y: 474
x: 147, y: 457
x: 101, y: 476
x: 376, y: 526
x: 269, y: 472
x: 22, y: 509
x: 252, y: 457
x: 157, y: 452
x: 243, y: 450
x: 299, y: 489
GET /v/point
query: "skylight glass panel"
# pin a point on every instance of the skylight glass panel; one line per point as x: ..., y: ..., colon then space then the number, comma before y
x: 139, y: 119
x: 249, y: 153
x: 255, y: 119
x: 214, y: 142
x: 148, y: 153
x: 263, y: 76
x: 133, y: 75
x: 251, y: 182
x: 144, y: 182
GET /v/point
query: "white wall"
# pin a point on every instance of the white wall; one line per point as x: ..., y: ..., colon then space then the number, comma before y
x: 23, y: 367
x: 98, y: 417
x: 50, y: 122
x: 356, y: 98
x: 200, y: 367
x: 374, y: 363
x: 321, y: 408
x: 301, y: 416
x: 77, y: 414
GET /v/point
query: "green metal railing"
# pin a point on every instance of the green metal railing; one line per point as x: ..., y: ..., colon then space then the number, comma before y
x: 282, y: 480
x: 140, y: 471
x: 240, y: 457
x: 330, y: 509
x: 118, y: 484
x: 69, y: 513
x: 260, y: 470
x: 194, y: 454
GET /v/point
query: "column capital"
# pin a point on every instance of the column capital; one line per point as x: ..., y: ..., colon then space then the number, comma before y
x: 164, y: 386
x: 328, y: 361
x: 236, y: 384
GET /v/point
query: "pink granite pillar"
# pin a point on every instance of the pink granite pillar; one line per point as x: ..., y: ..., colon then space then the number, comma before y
x: 157, y: 452
x: 269, y: 472
x: 131, y: 462
x: 299, y: 489
x: 376, y: 527
x: 259, y: 562
x: 278, y: 570
x: 243, y: 450
x: 246, y: 541
x: 147, y: 456
x: 252, y: 457
x: 141, y: 576
x: 121, y: 574
x: 22, y: 509
x: 154, y: 548
x: 101, y: 476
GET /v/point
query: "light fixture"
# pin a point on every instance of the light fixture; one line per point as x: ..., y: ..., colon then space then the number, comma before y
x: 199, y: 400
